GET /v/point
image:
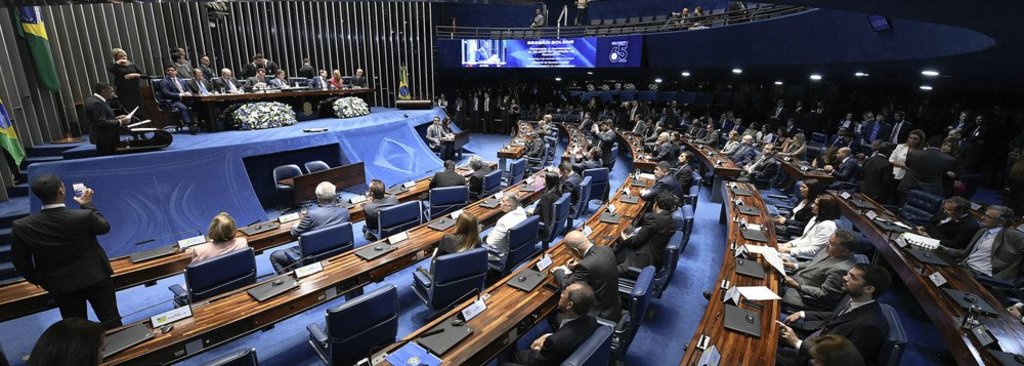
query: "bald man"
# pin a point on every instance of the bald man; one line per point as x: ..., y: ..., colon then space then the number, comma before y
x: 847, y: 174
x: 574, y: 305
x: 595, y: 266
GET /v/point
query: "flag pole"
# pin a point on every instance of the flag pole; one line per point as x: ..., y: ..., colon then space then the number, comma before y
x: 68, y: 137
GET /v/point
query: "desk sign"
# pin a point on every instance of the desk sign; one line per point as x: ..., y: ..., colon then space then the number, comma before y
x: 937, y: 279
x: 739, y: 202
x: 191, y: 242
x: 500, y: 194
x: 409, y: 184
x: 740, y: 251
x: 305, y: 271
x: 544, y: 262
x: 455, y: 215
x: 871, y: 215
x: 611, y: 208
x: 845, y: 195
x: 732, y: 295
x: 171, y: 316
x: 289, y: 217
x: 755, y: 227
x: 395, y: 239
x: 587, y: 230
x: 357, y: 199
x: 703, y: 342
x: 710, y: 357
x: 474, y: 309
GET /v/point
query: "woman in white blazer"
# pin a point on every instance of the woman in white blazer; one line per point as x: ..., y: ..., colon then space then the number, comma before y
x: 818, y: 230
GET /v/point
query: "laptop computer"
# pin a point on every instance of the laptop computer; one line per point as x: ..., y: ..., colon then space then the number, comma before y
x: 126, y: 338
x: 490, y: 203
x: 626, y: 198
x: 749, y: 268
x: 527, y: 280
x: 371, y: 251
x: 610, y: 218
x: 747, y: 210
x: 442, y: 224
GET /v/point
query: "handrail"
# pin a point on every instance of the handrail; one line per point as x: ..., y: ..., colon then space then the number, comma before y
x: 670, y: 24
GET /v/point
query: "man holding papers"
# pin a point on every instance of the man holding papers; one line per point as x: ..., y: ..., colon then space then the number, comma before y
x: 104, y: 126
x: 818, y: 284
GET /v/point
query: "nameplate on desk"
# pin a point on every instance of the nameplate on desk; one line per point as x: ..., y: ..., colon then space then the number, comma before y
x: 357, y: 199
x: 871, y: 215
x: 474, y: 309
x: 611, y: 208
x: 629, y: 199
x: 587, y: 230
x: 732, y: 295
x: 191, y: 242
x: 409, y: 184
x: 289, y: 217
x: 499, y: 195
x: 845, y: 195
x: 171, y: 316
x: 754, y: 227
x: 456, y: 214
x: 647, y: 176
x: 804, y: 168
x: 937, y: 279
x: 710, y: 357
x: 397, y: 238
x: 738, y: 202
x: 306, y: 271
x: 544, y: 262
x: 975, y: 206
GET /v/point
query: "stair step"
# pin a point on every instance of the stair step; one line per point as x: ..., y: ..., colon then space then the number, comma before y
x: 48, y: 149
x: 16, y: 208
x: 5, y: 235
x: 18, y: 190
x: 5, y: 252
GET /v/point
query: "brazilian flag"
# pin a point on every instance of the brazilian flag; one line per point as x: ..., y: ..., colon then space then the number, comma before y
x: 9, y: 138
x: 28, y: 21
x: 403, y: 85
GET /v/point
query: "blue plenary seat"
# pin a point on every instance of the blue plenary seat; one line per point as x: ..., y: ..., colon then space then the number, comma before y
x: 284, y: 172
x: 535, y: 164
x: 560, y: 217
x: 454, y: 277
x: 215, y: 276
x: 895, y: 342
x: 598, y: 183
x: 551, y: 142
x: 627, y: 283
x: 491, y: 184
x: 357, y: 328
x: 582, y: 197
x: 397, y: 218
x: 316, y: 166
x: 516, y: 171
x: 596, y: 350
x: 323, y: 243
x: 920, y: 207
x: 245, y: 357
x: 637, y: 303
x: 522, y: 240
x: 444, y: 200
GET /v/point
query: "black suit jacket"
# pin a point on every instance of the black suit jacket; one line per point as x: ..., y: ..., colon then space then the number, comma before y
x: 925, y: 170
x: 877, y: 178
x: 571, y: 186
x: 476, y: 180
x: 648, y: 245
x: 57, y: 248
x: 563, y: 342
x: 104, y: 127
x: 685, y: 177
x: 535, y: 149
x: 864, y: 326
x: 222, y: 86
x: 546, y: 210
x: 193, y: 86
x: 901, y: 131
x: 597, y: 269
x: 668, y: 184
x: 848, y: 172
x: 447, y: 178
x: 956, y: 233
x: 607, y: 142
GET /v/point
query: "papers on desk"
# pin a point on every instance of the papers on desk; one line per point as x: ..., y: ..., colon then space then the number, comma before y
x: 143, y: 129
x: 757, y: 293
x: 648, y: 176
x: 770, y: 255
x: 920, y: 241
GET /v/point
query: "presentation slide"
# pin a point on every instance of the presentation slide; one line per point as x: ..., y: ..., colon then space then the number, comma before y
x: 560, y: 53
x: 583, y: 52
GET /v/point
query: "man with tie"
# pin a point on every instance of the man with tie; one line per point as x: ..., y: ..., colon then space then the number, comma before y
x: 436, y: 138
x: 171, y: 89
x: 359, y: 80
x: 759, y: 168
x: 859, y: 319
x: 746, y: 153
x: 595, y: 266
x: 997, y: 249
x: 847, y: 174
x: 818, y: 284
x: 779, y: 113
x: 104, y: 125
x: 926, y: 168
x: 900, y: 129
x: 227, y: 84
x: 574, y: 326
x: 260, y: 80
x: 666, y: 182
x: 199, y: 85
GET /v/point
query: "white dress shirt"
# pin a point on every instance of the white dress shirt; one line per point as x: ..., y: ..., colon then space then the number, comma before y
x: 497, y: 241
x: 980, y: 258
x: 899, y: 155
x: 814, y: 238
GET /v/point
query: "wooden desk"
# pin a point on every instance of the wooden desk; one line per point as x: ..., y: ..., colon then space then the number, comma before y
x: 516, y: 148
x: 511, y: 312
x: 460, y: 141
x: 305, y: 102
x: 637, y: 151
x: 737, y: 348
x: 229, y: 316
x: 795, y: 168
x: 721, y: 165
x: 941, y: 310
x: 576, y: 139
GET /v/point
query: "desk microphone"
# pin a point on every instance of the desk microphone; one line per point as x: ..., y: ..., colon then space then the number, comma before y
x: 166, y: 236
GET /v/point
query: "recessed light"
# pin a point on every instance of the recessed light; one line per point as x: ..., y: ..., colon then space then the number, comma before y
x: 931, y: 73
x: 590, y: 73
x: 686, y: 74
x: 926, y: 87
x: 860, y: 74
x: 558, y: 79
x: 658, y: 80
x: 778, y: 83
x: 815, y: 76
x: 737, y: 71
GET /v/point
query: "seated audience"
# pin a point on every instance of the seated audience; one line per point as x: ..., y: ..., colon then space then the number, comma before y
x: 447, y: 178
x: 818, y: 284
x: 576, y: 325
x: 819, y: 228
x: 497, y: 241
x: 69, y: 342
x: 378, y: 199
x: 746, y: 152
x: 171, y: 89
x: 762, y: 168
x: 570, y: 184
x: 336, y: 82
x: 593, y: 160
x: 953, y: 227
x: 280, y: 80
x: 647, y: 246
x: 847, y: 175
x: 326, y: 213
x: 664, y: 150
x: 834, y: 350
x: 480, y: 170
x: 319, y: 81
x: 596, y: 266
x: 465, y: 237
x: 710, y: 136
x: 684, y: 172
x: 802, y: 213
x: 666, y: 183
x: 795, y: 147
x: 227, y: 84
x: 877, y: 176
x: 259, y: 81
x: 199, y: 85
x: 546, y: 205
x: 222, y: 239
x: 997, y: 249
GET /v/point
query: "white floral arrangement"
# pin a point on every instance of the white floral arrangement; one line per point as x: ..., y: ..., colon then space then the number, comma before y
x: 349, y: 107
x: 260, y: 115
x: 629, y: 86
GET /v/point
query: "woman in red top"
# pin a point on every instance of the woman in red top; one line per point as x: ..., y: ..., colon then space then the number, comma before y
x: 335, y: 82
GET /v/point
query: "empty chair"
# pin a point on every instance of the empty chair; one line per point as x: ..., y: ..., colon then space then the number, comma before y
x: 581, y: 207
x: 598, y: 183
x: 620, y: 20
x: 320, y: 244
x: 595, y: 22
x: 215, y: 276
x: 245, y: 357
x: 516, y: 171
x: 647, y: 19
x: 522, y: 240
x: 445, y: 200
x: 552, y: 143
x: 638, y: 301
x: 491, y: 184
x: 608, y: 22
x: 357, y: 328
x: 920, y: 207
x: 453, y: 277
x: 895, y: 342
x: 397, y: 218
x: 538, y: 163
x: 316, y: 166
x: 691, y: 197
x: 817, y: 139
x: 595, y: 351
x: 284, y: 172
x: 560, y: 219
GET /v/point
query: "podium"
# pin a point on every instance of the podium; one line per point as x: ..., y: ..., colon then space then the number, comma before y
x: 144, y: 139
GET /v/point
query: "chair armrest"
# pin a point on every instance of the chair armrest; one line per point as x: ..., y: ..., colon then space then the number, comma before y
x: 632, y: 272
x: 992, y: 282
x: 316, y: 334
x: 178, y: 291
x: 422, y: 279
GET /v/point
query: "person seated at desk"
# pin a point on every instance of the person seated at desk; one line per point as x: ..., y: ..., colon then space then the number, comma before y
x: 465, y: 237
x: 480, y: 170
x: 260, y: 80
x: 953, y: 227
x: 834, y: 350
x: 666, y: 182
x: 105, y: 125
x: 731, y: 144
x: 222, y: 239
x: 809, y: 190
x: 72, y: 341
x: 199, y: 85
x: 847, y: 175
x: 336, y: 82
x: 794, y: 147
x: 595, y: 266
x: 359, y: 81
x: 574, y: 327
x: 378, y: 200
x: 647, y: 246
x: 436, y: 138
x: 997, y: 249
x: 497, y: 241
x: 447, y: 178
x: 764, y: 167
x: 326, y: 213
x: 640, y: 126
x: 859, y: 319
x: 817, y: 231
x: 709, y: 137
x: 171, y: 91
x: 544, y: 127
x: 545, y: 207
x: 280, y: 81
x: 664, y: 150
x: 227, y: 84
x: 534, y: 146
x: 684, y: 172
x: 746, y: 152
x: 319, y: 81
x: 818, y: 283
x: 593, y: 160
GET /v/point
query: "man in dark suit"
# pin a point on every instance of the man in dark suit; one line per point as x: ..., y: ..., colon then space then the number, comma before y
x: 171, y: 89
x: 56, y: 249
x: 104, y: 126
x: 227, y: 83
x: 447, y: 178
x: 847, y: 174
x: 480, y: 169
x: 778, y: 114
x: 859, y: 319
x: 359, y: 80
x: 746, y: 153
x: 326, y: 213
x: 593, y: 160
x: 666, y: 182
x: 534, y: 146
x: 953, y: 227
x: 199, y: 85
x: 997, y: 249
x: 818, y: 284
x: 763, y: 167
x: 574, y: 327
x: 258, y: 61
x: 607, y: 138
x: 877, y: 175
x: 595, y: 266
x: 307, y: 70
x: 876, y: 129
x: 926, y: 168
x: 647, y: 246
x: 378, y: 200
x: 570, y: 184
x: 900, y: 128
x: 684, y: 172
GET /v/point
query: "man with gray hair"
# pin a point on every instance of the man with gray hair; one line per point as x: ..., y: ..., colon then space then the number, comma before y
x: 953, y: 226
x: 480, y: 169
x: 497, y: 241
x: 997, y: 249
x: 595, y: 266
x: 326, y: 213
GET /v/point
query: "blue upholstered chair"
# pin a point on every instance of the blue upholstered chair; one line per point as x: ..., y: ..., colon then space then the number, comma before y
x: 535, y: 164
x: 861, y: 259
x: 215, y: 276
x: 516, y: 171
x: 283, y: 172
x: 692, y: 196
x: 581, y: 205
x: 522, y: 240
x: 397, y: 218
x: 636, y: 309
x: 598, y: 183
x: 628, y: 280
x: 615, y: 155
x: 454, y: 276
x: 245, y: 357
x: 895, y: 342
x: 316, y: 166
x: 551, y: 142
x: 323, y: 243
x: 561, y: 219
x: 920, y: 207
x: 357, y: 328
x: 595, y: 351
x: 444, y: 200
x: 688, y: 215
x: 817, y: 139
x: 491, y: 184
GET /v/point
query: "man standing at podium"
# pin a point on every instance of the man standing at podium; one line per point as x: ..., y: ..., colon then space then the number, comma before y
x: 104, y: 125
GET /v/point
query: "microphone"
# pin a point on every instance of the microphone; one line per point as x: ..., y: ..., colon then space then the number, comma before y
x: 164, y: 237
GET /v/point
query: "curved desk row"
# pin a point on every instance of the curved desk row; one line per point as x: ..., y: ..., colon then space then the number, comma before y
x: 637, y: 151
x: 801, y: 170
x: 516, y: 148
x: 720, y: 165
x: 577, y: 141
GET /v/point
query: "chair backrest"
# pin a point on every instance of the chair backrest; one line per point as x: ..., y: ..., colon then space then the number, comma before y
x: 456, y: 275
x: 245, y: 357
x: 517, y: 168
x: 561, y: 217
x: 895, y: 341
x: 598, y: 183
x: 596, y: 350
x: 492, y: 182
x: 691, y: 196
x: 670, y: 258
x: 638, y: 302
x: 920, y: 206
x: 687, y: 211
x: 316, y: 166
x: 447, y: 199
x: 861, y: 259
x: 286, y: 171
x: 615, y: 154
x: 220, y: 274
x: 550, y: 142
x: 817, y: 138
x: 362, y: 324
x: 397, y: 218
x: 521, y: 241
x: 582, y: 195
x: 325, y: 242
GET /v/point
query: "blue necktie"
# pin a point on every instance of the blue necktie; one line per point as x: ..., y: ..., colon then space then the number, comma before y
x: 202, y: 88
x: 874, y: 132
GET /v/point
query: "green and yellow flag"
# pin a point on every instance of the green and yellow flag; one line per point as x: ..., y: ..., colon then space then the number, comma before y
x: 28, y: 21
x: 9, y: 138
x: 403, y: 85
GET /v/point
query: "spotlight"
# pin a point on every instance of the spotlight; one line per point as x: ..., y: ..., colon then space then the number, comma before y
x: 658, y: 80
x: 778, y: 83
x: 930, y: 73
x: 686, y: 74
x: 926, y: 87
x: 815, y: 77
x: 590, y: 73
x: 558, y: 79
x: 737, y: 71
x: 860, y: 74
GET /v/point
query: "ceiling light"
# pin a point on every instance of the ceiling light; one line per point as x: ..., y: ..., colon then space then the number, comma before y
x: 558, y: 79
x: 930, y: 73
x: 590, y: 73
x: 815, y: 77
x: 658, y: 80
x: 686, y: 74
x: 778, y: 83
x: 737, y: 71
x: 926, y: 87
x: 860, y: 74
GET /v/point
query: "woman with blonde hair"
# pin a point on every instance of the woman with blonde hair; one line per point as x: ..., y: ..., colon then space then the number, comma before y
x: 335, y: 82
x: 126, y: 79
x: 465, y: 237
x: 222, y: 240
